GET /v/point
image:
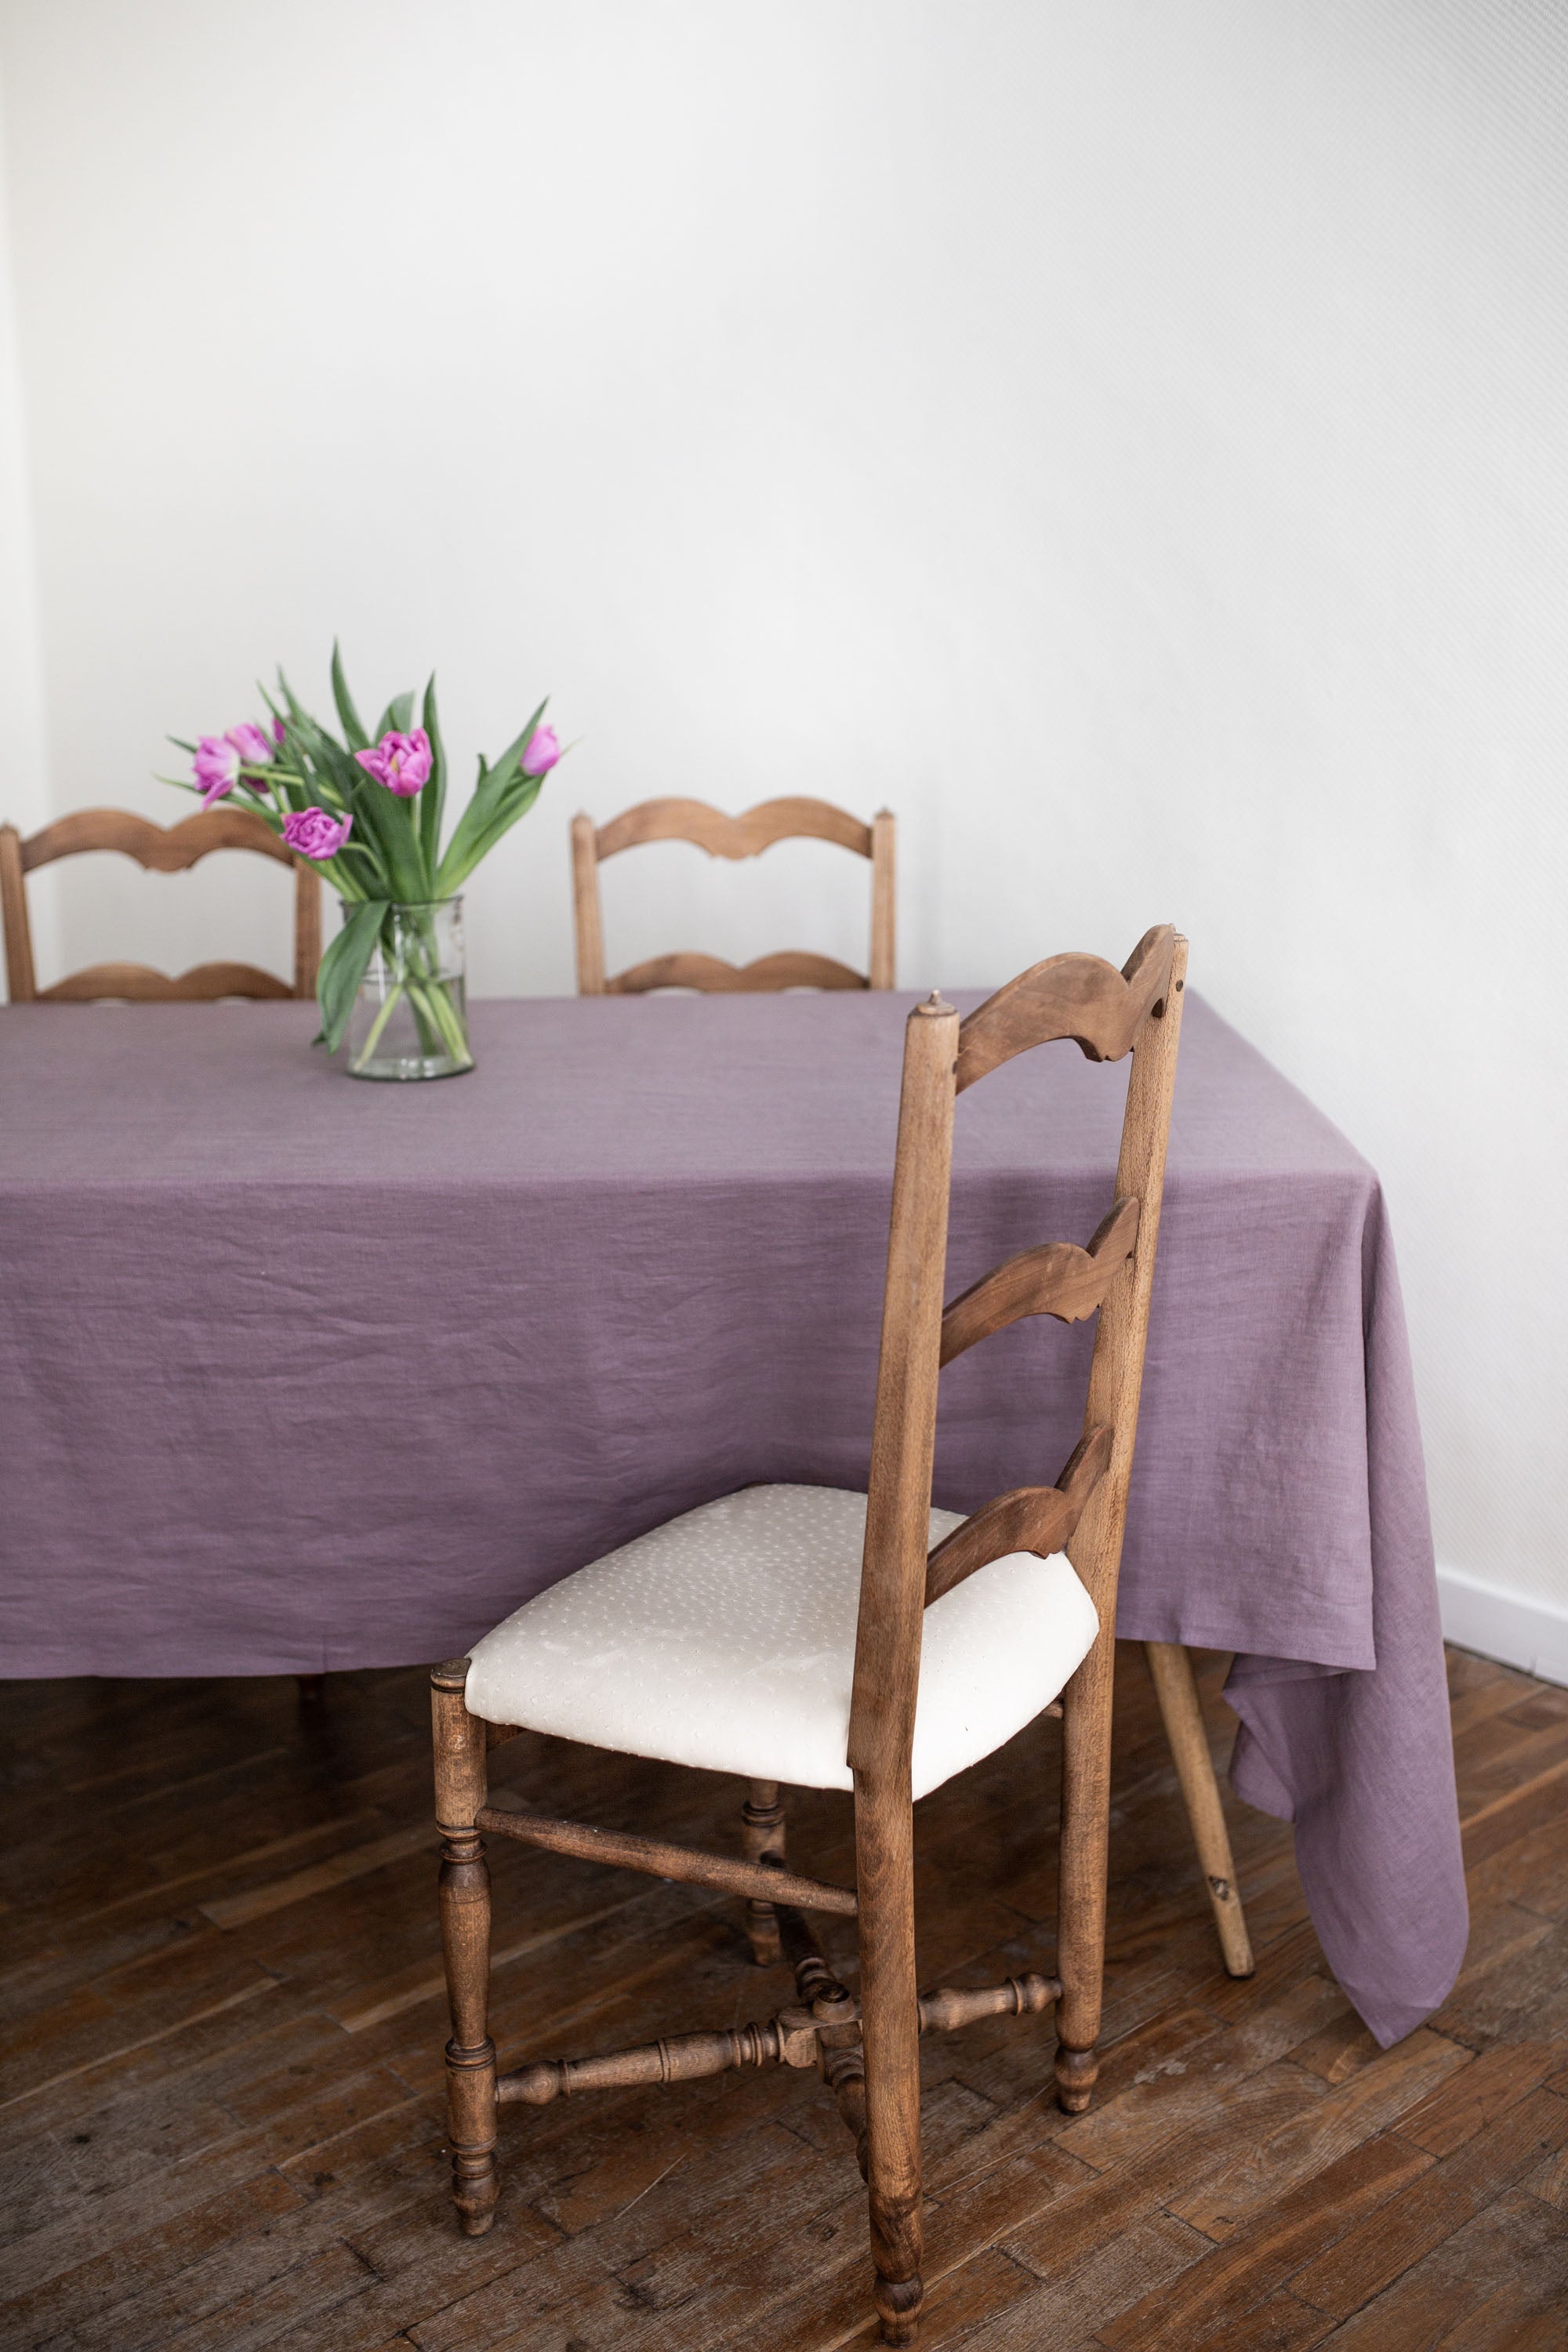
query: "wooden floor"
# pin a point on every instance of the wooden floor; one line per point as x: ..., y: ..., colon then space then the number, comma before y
x: 222, y: 2028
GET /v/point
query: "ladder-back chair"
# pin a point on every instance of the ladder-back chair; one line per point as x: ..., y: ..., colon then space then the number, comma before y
x: 787, y: 1634
x: 166, y: 850
x: 729, y: 837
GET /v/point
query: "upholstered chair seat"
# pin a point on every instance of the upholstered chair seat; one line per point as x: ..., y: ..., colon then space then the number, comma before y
x: 726, y: 1639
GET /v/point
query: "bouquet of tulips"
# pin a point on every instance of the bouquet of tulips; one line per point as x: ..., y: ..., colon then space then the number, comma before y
x: 366, y: 812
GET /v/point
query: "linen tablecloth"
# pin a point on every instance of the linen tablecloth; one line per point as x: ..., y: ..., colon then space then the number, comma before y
x: 297, y: 1373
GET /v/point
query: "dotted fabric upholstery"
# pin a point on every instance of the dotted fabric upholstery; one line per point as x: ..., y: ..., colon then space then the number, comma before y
x: 726, y: 1639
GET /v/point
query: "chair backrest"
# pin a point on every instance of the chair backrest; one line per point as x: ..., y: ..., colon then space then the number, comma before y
x: 167, y: 850
x: 1108, y: 1014
x: 729, y: 837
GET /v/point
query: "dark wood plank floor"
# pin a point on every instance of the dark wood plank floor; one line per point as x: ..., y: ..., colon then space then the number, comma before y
x: 221, y: 2028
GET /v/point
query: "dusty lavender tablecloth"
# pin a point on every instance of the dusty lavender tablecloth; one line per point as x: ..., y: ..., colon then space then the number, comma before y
x: 296, y: 1373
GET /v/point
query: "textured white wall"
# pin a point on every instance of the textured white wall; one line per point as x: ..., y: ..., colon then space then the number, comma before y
x: 1128, y: 440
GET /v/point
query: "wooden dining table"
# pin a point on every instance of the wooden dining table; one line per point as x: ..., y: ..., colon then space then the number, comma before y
x: 301, y: 1374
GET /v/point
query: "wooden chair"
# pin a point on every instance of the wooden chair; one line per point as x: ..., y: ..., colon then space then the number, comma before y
x: 166, y: 850
x: 704, y: 1642
x: 729, y: 837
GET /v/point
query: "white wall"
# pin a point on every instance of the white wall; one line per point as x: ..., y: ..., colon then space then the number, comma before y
x: 1126, y: 439
x: 25, y: 798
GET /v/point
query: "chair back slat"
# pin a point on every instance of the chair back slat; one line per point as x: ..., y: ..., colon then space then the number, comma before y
x: 1031, y: 1518
x: 770, y: 973
x: 1077, y: 996
x: 138, y: 983
x: 1053, y: 1279
x: 797, y: 817
x: 171, y: 849
x: 746, y: 836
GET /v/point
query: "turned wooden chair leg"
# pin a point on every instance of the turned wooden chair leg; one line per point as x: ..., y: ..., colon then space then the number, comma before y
x: 1085, y: 1839
x: 762, y: 1829
x: 889, y: 2028
x: 1177, y: 1692
x: 461, y: 1786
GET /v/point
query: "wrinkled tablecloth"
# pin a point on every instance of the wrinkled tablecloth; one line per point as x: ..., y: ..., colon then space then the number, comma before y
x: 297, y: 1373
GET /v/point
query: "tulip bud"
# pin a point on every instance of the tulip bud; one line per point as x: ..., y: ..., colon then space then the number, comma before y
x: 543, y: 751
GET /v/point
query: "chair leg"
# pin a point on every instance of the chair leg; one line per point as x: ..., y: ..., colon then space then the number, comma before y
x: 465, y: 1883
x: 1178, y: 1696
x: 889, y: 2027
x: 1085, y: 1841
x: 762, y: 1829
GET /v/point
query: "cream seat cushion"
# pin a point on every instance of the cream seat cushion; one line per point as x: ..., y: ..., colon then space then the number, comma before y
x: 726, y: 1639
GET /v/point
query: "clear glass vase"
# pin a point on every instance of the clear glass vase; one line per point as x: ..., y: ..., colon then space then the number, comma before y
x: 410, y: 1019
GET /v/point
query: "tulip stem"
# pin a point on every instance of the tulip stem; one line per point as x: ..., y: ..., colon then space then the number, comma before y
x: 377, y: 1025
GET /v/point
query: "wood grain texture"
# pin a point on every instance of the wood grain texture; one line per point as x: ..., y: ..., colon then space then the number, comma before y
x: 1031, y: 1518
x: 1077, y: 996
x: 787, y: 2040
x: 307, y: 929
x: 660, y: 1859
x: 181, y: 2164
x: 1156, y: 977
x: 1053, y: 1279
x: 762, y: 1841
x: 464, y: 1889
x: 887, y: 1659
x: 826, y: 2011
x: 164, y: 849
x: 884, y: 900
x: 903, y: 1432
x: 588, y: 913
x: 21, y: 986
x: 1172, y: 1670
x: 746, y: 836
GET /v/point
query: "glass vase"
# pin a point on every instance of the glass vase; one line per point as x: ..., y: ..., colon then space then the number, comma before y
x: 410, y: 1019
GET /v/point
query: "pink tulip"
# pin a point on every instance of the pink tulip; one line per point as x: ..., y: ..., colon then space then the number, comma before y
x: 216, y: 767
x: 314, y: 834
x: 400, y: 762
x: 279, y: 730
x: 251, y: 744
x: 542, y: 752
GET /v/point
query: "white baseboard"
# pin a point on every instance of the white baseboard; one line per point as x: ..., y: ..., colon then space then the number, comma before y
x: 1516, y: 1632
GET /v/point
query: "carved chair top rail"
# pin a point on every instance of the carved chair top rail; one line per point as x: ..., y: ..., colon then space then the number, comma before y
x: 1077, y: 996
x: 164, y: 849
x: 746, y: 836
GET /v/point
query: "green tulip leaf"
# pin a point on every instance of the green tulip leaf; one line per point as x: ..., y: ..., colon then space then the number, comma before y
x: 353, y: 726
x: 394, y: 718
x: 432, y: 799
x: 341, y: 970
